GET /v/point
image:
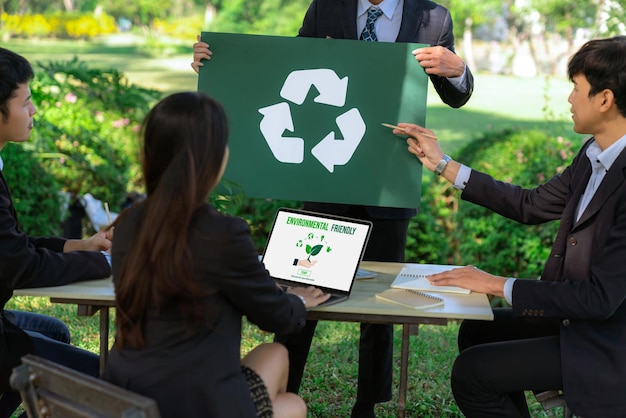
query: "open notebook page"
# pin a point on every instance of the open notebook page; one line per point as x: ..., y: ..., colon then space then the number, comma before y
x: 413, y: 276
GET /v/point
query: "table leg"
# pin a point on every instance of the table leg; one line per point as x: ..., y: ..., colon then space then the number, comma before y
x: 89, y: 310
x: 407, y: 331
x: 104, y: 337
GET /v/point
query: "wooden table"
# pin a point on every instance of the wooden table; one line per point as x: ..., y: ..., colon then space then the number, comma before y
x: 362, y: 306
x: 90, y: 297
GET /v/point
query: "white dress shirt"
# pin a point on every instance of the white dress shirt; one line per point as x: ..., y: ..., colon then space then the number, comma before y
x: 387, y: 28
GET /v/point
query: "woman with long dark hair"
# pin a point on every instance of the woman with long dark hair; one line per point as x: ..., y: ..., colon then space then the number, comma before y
x: 185, y: 275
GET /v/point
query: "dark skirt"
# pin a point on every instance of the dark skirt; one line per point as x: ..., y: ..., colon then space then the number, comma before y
x: 259, y: 394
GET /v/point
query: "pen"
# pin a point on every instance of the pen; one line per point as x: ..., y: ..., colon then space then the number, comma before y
x: 106, y: 209
x: 388, y: 125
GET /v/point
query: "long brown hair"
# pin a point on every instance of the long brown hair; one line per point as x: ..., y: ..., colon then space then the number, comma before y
x: 184, y: 144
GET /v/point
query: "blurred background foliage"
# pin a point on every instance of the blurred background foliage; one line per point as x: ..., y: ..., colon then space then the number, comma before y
x: 84, y: 141
x: 86, y: 136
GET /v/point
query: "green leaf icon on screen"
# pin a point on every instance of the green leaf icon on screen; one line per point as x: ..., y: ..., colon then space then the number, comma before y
x: 315, y: 250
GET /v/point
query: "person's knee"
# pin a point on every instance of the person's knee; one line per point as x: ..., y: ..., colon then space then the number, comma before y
x: 270, y: 361
x: 289, y: 405
x: 276, y: 353
x: 299, y: 406
x: 464, y: 371
x: 467, y: 335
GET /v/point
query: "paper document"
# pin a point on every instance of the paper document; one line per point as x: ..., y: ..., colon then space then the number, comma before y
x: 410, y: 298
x: 413, y: 276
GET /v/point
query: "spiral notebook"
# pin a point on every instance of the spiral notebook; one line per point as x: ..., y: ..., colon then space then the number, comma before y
x: 410, y: 298
x: 413, y: 276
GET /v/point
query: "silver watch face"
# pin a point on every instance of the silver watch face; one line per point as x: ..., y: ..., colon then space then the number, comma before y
x: 441, y: 165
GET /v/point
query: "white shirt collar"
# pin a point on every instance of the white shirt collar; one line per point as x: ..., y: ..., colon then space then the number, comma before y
x: 387, y: 7
x: 1, y: 164
x: 609, y: 155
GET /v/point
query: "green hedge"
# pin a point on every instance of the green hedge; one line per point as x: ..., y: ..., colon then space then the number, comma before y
x: 85, y: 141
x: 450, y: 231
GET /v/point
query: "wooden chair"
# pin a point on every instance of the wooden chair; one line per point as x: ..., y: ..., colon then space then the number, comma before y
x: 551, y: 399
x: 50, y: 390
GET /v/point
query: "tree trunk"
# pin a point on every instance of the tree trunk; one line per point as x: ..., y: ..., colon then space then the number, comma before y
x: 209, y: 13
x: 468, y: 51
x: 69, y: 5
x: 600, y: 18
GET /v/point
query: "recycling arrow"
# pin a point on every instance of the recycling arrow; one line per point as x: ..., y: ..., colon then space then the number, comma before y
x: 331, y: 151
x: 277, y: 119
x: 332, y: 89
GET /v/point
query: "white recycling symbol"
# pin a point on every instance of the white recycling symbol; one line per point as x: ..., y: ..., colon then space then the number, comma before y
x: 330, y: 151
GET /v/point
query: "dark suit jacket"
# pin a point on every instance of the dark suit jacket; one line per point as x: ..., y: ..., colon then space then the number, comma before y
x: 197, y: 372
x: 423, y: 21
x: 33, y: 262
x: 584, y: 280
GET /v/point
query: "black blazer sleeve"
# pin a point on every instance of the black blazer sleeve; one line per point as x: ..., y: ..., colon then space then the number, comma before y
x: 35, y: 262
x: 236, y: 271
x: 423, y: 22
x: 427, y: 22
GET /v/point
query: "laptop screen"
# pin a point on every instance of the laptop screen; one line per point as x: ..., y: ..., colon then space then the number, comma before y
x: 315, y: 249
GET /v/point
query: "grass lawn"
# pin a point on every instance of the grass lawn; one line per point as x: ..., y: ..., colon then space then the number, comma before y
x: 329, y: 385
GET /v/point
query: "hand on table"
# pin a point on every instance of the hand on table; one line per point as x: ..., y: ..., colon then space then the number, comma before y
x: 472, y: 278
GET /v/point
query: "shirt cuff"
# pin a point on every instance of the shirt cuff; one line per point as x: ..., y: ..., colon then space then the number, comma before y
x: 462, y: 177
x: 459, y: 82
x: 508, y: 290
x: 107, y: 256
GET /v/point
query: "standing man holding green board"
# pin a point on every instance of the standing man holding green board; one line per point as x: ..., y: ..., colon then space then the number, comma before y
x: 410, y: 21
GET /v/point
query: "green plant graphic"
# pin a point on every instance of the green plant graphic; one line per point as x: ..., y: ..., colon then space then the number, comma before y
x: 313, y: 249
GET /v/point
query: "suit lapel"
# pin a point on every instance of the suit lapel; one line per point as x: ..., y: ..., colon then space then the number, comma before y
x: 613, y: 179
x: 348, y: 19
x: 411, y: 20
x: 580, y: 181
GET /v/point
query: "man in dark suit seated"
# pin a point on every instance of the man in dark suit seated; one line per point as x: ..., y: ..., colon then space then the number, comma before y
x: 31, y: 261
x: 568, y: 330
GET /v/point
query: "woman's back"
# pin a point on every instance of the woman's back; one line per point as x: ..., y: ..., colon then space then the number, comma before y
x: 197, y: 371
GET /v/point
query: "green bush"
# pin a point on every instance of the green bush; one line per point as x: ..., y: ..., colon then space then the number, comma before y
x: 85, y: 141
x: 258, y: 213
x: 449, y: 231
x: 87, y: 131
x: 36, y: 194
x: 497, y: 244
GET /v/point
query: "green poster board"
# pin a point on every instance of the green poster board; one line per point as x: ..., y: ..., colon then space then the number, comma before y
x: 305, y: 117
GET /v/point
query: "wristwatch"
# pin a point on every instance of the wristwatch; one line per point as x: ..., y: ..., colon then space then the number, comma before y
x: 441, y: 165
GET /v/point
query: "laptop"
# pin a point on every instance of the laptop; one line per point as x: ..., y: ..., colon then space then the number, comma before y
x: 316, y: 249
